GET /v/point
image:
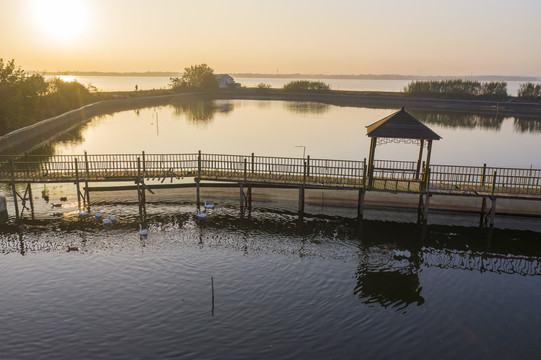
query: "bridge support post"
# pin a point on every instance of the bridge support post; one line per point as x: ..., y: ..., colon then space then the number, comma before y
x: 360, y: 204
x: 241, y: 187
x: 492, y: 212
x: 249, y: 199
x: 483, y: 216
x: 14, y: 190
x: 28, y: 192
x: 28, y: 188
x: 301, y: 201
x: 424, y: 198
x: 141, y: 192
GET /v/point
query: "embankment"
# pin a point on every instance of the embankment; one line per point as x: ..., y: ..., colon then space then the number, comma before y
x: 33, y: 136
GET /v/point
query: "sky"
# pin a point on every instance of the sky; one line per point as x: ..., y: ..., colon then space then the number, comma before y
x: 413, y: 37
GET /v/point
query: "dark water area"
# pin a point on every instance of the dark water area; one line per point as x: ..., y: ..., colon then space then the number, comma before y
x: 325, y: 287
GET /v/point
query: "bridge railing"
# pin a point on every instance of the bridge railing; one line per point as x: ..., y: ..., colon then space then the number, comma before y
x: 283, y: 169
x: 387, y: 174
x: 173, y: 165
x: 485, y: 180
x: 396, y: 176
x: 337, y: 172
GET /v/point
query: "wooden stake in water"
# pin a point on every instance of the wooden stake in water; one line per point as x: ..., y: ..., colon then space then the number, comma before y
x: 212, y: 286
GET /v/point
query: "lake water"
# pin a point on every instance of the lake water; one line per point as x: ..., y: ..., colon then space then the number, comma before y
x: 279, y: 128
x: 128, y: 83
x: 321, y: 288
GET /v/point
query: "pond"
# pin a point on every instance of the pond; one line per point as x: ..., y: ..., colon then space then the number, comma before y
x: 268, y: 285
x: 294, y: 129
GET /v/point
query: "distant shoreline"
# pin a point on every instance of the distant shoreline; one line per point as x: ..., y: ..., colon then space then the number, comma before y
x: 306, y: 76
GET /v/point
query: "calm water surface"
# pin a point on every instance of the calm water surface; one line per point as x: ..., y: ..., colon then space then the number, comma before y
x: 280, y: 128
x: 322, y: 288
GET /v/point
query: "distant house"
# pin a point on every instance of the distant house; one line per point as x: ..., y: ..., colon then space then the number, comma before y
x: 225, y: 81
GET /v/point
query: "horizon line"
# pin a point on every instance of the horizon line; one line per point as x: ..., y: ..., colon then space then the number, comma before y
x: 390, y: 76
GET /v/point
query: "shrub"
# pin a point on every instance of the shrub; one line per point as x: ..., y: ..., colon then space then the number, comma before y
x: 306, y: 86
x: 457, y: 89
x: 529, y: 91
x: 263, y: 86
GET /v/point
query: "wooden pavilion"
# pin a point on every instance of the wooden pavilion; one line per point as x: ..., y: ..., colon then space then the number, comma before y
x: 400, y: 127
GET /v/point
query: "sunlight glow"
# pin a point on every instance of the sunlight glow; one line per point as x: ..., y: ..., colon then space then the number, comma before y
x: 67, y: 78
x: 61, y: 21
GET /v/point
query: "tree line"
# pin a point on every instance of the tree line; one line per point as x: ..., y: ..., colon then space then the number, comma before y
x: 27, y: 98
x: 471, y: 90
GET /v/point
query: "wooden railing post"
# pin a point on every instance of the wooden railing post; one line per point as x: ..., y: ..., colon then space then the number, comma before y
x: 494, y: 183
x: 308, y: 166
x: 144, y: 166
x: 364, y: 174
x: 483, y: 174
x: 77, y: 184
x: 245, y: 169
x: 199, y: 166
x: 86, y: 181
x: 305, y: 172
x: 198, y: 179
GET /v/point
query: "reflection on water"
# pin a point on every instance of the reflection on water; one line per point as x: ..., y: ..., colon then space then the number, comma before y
x: 459, y: 120
x: 320, y: 287
x: 201, y: 112
x: 276, y: 128
x: 527, y: 125
x: 476, y: 121
x: 306, y: 107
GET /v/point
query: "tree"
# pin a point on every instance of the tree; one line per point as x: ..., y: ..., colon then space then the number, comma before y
x: 195, y: 77
x: 529, y: 91
x: 19, y: 96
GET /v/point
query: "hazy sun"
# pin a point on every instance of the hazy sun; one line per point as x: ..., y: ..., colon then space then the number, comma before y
x: 60, y: 20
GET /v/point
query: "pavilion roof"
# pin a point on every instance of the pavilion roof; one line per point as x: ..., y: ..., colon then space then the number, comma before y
x: 401, y: 125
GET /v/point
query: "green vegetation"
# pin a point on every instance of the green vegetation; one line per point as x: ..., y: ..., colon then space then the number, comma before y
x: 26, y: 99
x: 458, y: 89
x: 306, y: 86
x: 263, y: 86
x: 529, y: 91
x: 195, y: 77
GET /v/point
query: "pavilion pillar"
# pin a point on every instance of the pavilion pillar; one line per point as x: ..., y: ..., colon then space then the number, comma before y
x: 373, y: 143
x: 428, y: 153
x: 420, y: 159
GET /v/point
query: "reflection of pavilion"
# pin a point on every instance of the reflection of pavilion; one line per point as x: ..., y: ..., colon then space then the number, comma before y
x: 388, y: 279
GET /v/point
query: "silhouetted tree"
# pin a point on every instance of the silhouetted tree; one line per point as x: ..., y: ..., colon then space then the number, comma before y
x: 195, y: 77
x: 529, y: 91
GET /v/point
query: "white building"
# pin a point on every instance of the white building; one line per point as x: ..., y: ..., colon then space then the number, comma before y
x: 225, y: 81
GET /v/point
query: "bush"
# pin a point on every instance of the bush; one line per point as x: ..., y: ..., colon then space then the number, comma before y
x: 458, y: 89
x: 263, y: 86
x: 306, y: 86
x: 529, y: 91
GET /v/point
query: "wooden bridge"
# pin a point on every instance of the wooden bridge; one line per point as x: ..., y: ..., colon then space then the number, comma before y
x: 247, y: 171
